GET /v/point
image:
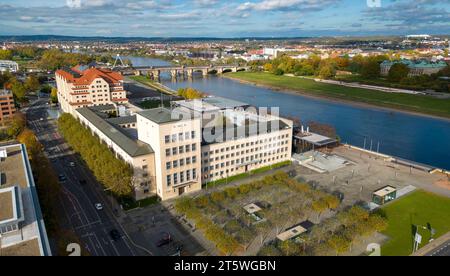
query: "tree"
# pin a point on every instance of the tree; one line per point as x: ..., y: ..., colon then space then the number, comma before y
x: 16, y: 125
x: 370, y: 69
x: 54, y: 95
x: 278, y: 72
x: 398, y: 72
x: 190, y: 93
x: 290, y: 248
x: 113, y: 173
x: 378, y: 223
x: 319, y: 206
x: 6, y: 54
x: 268, y: 67
x: 32, y: 83
x: 339, y: 243
x: 5, y: 78
x: 28, y: 138
x: 332, y: 202
x: 55, y: 59
x: 19, y: 91
x: 327, y: 70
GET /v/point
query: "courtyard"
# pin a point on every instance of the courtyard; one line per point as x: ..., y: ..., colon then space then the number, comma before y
x: 365, y: 173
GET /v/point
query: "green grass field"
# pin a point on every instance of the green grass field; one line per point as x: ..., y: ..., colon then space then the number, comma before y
x: 418, y: 208
x: 415, y: 103
x: 146, y: 81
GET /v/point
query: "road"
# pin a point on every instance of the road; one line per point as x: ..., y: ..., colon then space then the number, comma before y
x: 441, y: 251
x: 78, y: 199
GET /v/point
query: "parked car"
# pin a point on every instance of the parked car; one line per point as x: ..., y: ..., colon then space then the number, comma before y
x: 166, y: 239
x: 99, y: 206
x: 62, y: 178
x: 115, y: 235
x: 82, y: 182
x: 72, y: 164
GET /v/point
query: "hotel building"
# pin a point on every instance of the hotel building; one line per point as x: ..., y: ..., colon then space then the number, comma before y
x: 84, y: 86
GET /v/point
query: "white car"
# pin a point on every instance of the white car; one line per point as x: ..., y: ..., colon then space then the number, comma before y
x: 99, y: 206
x: 72, y: 164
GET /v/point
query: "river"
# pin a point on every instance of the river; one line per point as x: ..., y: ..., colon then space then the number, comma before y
x: 418, y: 138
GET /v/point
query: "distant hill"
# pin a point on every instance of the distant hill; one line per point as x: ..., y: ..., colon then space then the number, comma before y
x: 58, y: 38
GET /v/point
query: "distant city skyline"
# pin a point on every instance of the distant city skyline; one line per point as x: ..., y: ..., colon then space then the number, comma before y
x: 214, y: 18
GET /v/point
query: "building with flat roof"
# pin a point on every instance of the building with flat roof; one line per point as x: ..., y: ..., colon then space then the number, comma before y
x: 7, y: 106
x: 174, y: 151
x: 176, y: 139
x: 9, y: 65
x: 22, y: 228
x: 84, y: 86
x: 120, y: 135
x: 417, y: 68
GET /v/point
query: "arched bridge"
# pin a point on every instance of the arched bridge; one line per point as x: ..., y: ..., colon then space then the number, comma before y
x: 175, y: 71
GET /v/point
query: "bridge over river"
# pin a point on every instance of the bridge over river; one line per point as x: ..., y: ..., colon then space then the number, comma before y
x: 175, y: 71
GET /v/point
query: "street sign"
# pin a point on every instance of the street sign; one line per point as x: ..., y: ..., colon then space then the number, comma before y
x: 418, y: 238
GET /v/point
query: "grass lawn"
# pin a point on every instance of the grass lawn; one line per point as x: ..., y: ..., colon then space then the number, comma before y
x: 418, y: 208
x: 416, y: 103
x: 153, y: 104
x: 147, y: 81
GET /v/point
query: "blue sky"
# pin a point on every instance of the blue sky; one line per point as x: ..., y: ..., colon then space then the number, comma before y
x: 221, y: 18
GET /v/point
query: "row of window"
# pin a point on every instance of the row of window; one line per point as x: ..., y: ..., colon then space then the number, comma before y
x: 181, y: 149
x: 180, y: 163
x: 182, y: 177
x: 179, y: 137
x: 238, y: 153
x: 225, y: 173
x: 244, y: 160
x: 249, y: 144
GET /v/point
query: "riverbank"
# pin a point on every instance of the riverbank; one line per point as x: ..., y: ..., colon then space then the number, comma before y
x: 413, y: 104
x: 155, y: 85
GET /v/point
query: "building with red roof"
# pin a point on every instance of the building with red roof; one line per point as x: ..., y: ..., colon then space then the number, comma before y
x: 84, y: 86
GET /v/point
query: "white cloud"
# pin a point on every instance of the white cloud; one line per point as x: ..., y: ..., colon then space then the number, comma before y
x: 278, y: 5
x: 73, y: 3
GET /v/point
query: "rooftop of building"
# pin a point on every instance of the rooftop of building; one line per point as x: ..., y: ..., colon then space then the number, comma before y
x: 86, y: 77
x: 125, y: 120
x: 19, y: 205
x: 417, y: 63
x: 11, y: 207
x: 8, y: 61
x: 104, y: 107
x: 219, y: 134
x: 114, y: 132
x: 6, y: 205
x: 161, y: 115
x: 4, y: 92
x: 210, y: 104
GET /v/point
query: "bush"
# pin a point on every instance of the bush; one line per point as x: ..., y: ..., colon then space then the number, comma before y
x: 278, y: 72
x: 232, y: 192
x: 270, y: 251
x: 218, y: 197
x: 233, y: 226
x: 245, y: 235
